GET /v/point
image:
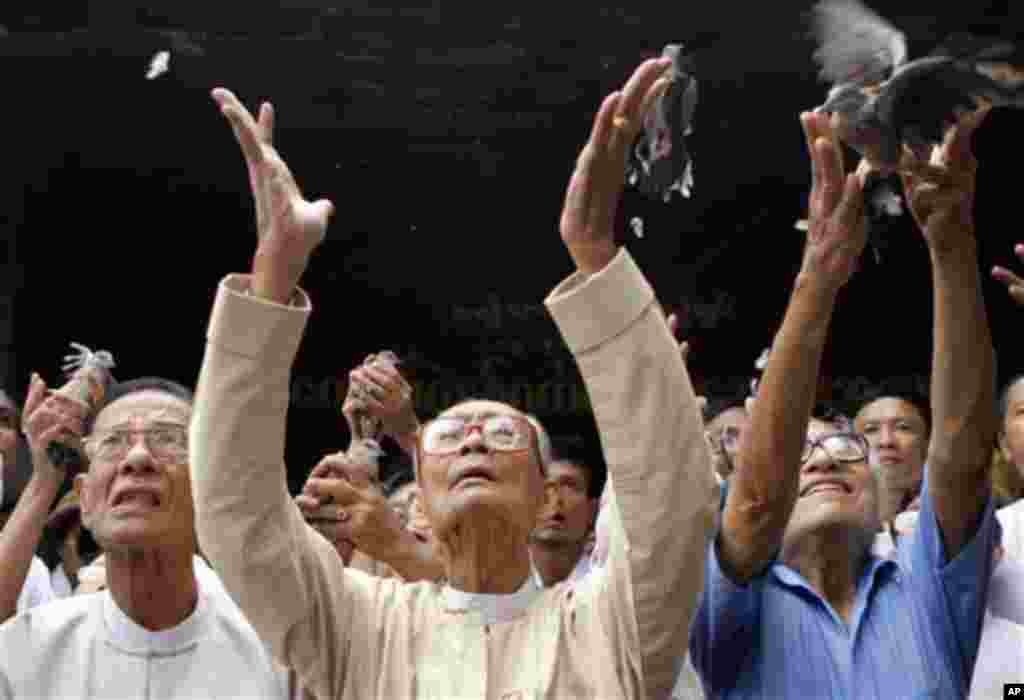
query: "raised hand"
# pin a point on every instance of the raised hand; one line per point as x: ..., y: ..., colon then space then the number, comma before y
x: 588, y: 216
x: 1014, y: 284
x: 836, y: 232
x: 941, y: 197
x: 50, y: 417
x: 288, y: 226
x: 343, y: 501
x: 380, y: 390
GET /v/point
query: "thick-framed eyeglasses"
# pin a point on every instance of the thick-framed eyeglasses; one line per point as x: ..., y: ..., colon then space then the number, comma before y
x: 500, y: 432
x: 840, y: 447
x: 165, y: 441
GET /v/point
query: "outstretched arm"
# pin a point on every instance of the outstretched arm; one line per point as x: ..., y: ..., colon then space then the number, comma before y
x: 662, y: 493
x: 963, y: 360
x: 764, y: 485
x: 287, y: 579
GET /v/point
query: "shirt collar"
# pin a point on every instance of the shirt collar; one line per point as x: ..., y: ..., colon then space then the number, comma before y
x: 131, y: 638
x: 790, y: 578
x: 492, y: 608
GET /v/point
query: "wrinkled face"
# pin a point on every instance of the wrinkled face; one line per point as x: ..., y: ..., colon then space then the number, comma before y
x: 725, y: 434
x: 476, y: 483
x: 140, y: 499
x: 568, y: 510
x: 1011, y: 435
x: 832, y: 494
x: 898, y: 437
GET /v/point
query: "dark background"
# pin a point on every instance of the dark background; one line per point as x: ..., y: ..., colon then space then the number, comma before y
x: 445, y: 134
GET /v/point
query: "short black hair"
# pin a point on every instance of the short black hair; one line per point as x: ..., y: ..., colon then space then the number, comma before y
x: 893, y: 388
x: 591, y: 461
x: 133, y: 386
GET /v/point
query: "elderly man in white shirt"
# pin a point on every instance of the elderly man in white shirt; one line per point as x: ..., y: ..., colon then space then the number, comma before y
x: 158, y: 630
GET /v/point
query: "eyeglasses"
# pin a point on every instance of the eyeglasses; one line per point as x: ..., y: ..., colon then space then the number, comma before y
x: 503, y: 433
x: 165, y: 441
x: 841, y: 447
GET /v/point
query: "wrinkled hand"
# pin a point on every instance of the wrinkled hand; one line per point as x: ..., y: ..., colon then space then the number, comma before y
x: 836, y: 229
x: 588, y: 215
x: 684, y: 352
x: 941, y: 198
x: 383, y: 393
x: 1014, y: 284
x: 289, y: 227
x: 50, y: 417
x: 342, y: 501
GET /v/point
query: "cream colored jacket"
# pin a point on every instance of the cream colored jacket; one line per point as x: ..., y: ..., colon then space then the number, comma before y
x: 621, y: 633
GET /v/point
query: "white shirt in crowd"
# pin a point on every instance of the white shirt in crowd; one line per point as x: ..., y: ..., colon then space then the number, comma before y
x: 37, y: 589
x: 85, y: 646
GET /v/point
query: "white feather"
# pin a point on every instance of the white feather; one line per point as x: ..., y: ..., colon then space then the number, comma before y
x: 158, y: 65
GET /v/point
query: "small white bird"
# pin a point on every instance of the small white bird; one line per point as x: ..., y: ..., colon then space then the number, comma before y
x: 159, y: 64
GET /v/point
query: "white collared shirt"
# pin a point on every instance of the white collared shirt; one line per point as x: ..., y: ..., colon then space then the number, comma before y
x: 494, y: 607
x: 85, y: 646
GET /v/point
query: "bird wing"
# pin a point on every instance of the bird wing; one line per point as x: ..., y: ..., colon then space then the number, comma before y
x: 925, y: 97
x: 855, y: 45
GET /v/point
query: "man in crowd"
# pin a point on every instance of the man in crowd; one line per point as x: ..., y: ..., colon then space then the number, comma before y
x: 724, y: 430
x: 558, y: 544
x: 156, y: 630
x: 489, y: 632
x: 24, y: 578
x: 793, y: 605
x: 896, y: 425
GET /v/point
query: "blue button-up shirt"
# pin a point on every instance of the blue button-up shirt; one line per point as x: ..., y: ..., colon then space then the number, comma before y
x: 913, y: 633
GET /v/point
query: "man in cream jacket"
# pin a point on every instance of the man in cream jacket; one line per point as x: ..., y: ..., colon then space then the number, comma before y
x: 489, y: 631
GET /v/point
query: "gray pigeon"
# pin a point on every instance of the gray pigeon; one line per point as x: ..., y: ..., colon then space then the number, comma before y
x: 885, y: 102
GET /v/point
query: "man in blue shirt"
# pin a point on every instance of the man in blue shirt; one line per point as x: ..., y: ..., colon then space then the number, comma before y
x: 794, y: 605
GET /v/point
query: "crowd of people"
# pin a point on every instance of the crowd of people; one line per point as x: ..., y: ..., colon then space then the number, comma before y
x: 762, y: 548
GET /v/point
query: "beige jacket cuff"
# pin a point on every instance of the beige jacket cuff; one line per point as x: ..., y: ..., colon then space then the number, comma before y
x: 248, y: 325
x: 592, y: 310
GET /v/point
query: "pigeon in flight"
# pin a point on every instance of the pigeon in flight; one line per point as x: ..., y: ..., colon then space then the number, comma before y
x: 892, y: 110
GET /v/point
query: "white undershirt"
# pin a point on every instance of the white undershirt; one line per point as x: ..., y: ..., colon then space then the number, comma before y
x: 37, y: 589
x: 494, y: 607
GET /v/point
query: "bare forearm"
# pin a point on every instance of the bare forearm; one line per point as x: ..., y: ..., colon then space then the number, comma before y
x: 963, y: 392
x: 963, y: 364
x: 18, y: 541
x: 765, y: 481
